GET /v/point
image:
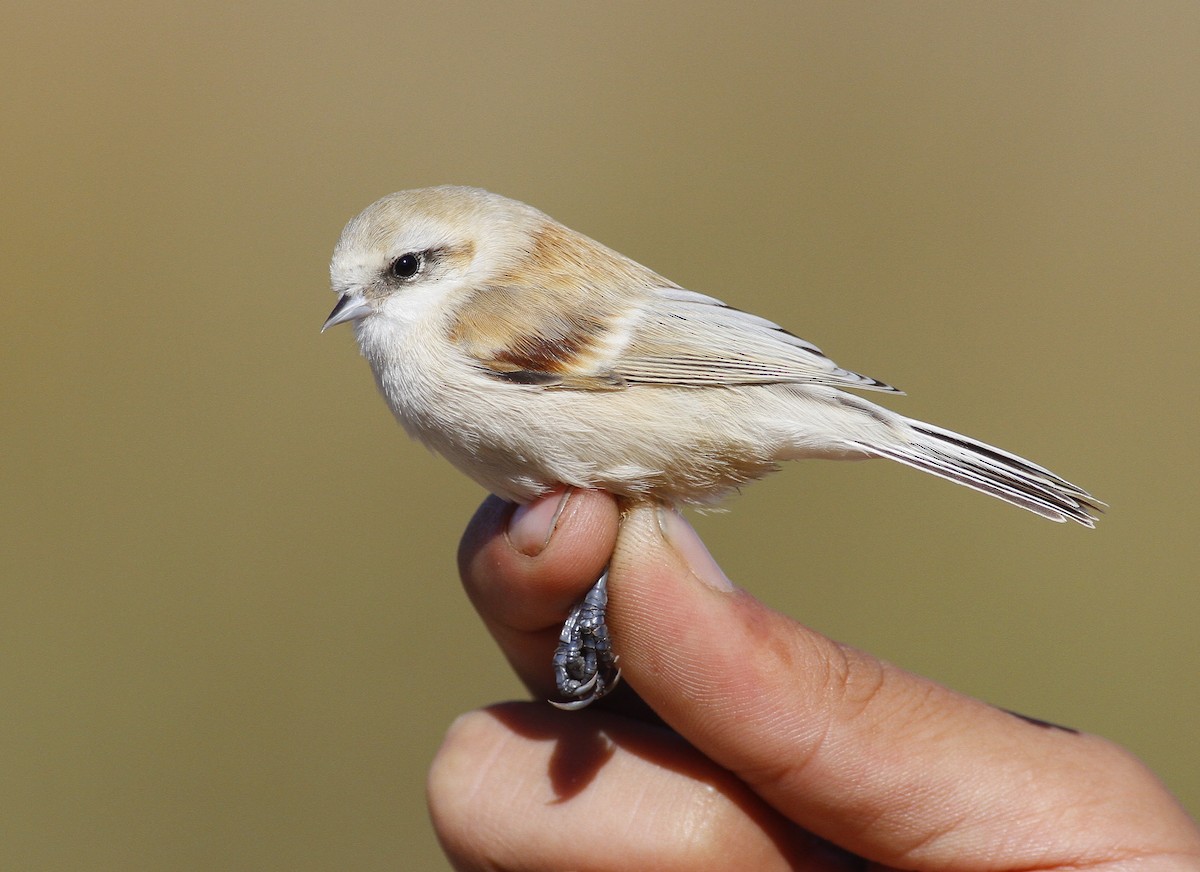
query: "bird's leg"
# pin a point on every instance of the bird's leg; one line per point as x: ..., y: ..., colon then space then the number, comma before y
x: 585, y: 667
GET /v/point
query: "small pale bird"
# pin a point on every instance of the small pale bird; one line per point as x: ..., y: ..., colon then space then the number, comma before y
x: 532, y: 357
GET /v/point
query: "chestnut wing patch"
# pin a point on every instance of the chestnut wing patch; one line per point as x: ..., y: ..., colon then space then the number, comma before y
x: 549, y: 349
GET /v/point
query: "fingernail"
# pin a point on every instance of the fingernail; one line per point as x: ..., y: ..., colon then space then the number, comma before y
x: 533, y: 524
x: 687, y: 544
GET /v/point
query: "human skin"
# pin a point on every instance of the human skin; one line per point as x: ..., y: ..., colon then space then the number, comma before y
x: 752, y: 742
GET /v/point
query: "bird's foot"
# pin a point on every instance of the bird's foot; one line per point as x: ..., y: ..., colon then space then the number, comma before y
x: 585, y: 667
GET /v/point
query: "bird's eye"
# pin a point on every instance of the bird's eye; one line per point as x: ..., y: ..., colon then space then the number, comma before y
x: 406, y: 266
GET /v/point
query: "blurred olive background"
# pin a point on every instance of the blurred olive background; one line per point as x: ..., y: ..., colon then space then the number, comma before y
x: 232, y: 635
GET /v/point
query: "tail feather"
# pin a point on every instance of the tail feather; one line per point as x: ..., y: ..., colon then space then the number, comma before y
x: 991, y: 471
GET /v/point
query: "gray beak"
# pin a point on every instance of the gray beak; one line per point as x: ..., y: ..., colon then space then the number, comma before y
x: 350, y: 307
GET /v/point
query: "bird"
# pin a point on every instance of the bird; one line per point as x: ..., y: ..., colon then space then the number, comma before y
x: 533, y: 357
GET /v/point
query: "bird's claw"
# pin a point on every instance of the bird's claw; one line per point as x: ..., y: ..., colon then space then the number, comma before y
x: 585, y: 667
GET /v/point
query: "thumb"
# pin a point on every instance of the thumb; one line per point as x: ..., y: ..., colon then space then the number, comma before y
x: 886, y: 764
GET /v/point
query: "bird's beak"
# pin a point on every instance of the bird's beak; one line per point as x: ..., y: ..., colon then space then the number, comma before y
x: 350, y: 307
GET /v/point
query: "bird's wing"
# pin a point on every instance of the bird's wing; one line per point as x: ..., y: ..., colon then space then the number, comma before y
x: 685, y: 338
x: 579, y: 315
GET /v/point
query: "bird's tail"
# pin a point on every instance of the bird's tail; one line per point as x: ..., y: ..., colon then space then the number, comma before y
x: 985, y: 468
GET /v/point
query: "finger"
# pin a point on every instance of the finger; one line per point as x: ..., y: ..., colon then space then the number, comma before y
x: 525, y: 567
x: 886, y: 764
x: 522, y: 786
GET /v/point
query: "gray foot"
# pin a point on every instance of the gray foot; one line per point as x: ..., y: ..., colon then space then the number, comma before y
x: 585, y: 667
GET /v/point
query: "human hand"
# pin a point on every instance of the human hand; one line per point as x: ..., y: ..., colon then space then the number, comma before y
x: 752, y: 742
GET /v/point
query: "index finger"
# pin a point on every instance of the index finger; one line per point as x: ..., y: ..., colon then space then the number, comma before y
x: 525, y: 567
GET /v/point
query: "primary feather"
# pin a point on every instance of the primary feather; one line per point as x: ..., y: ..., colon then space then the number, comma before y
x: 685, y: 338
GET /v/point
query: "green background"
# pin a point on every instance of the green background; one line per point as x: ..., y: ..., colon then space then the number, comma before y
x: 231, y: 635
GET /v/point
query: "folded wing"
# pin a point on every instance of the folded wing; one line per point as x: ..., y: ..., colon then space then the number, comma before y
x: 685, y: 338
